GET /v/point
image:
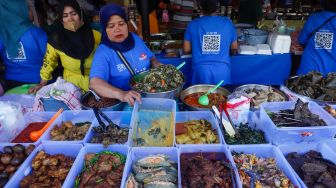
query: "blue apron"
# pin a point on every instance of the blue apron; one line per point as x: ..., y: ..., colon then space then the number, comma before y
x: 210, y: 73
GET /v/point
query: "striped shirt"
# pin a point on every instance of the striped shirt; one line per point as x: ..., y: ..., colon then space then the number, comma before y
x: 182, y: 16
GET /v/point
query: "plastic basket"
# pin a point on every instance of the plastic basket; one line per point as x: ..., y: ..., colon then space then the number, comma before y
x: 71, y: 150
x: 152, y: 104
x: 139, y: 153
x: 79, y: 163
x: 303, y: 148
x: 123, y: 119
x: 266, y: 151
x: 296, y: 134
x: 74, y: 117
x: 207, y: 149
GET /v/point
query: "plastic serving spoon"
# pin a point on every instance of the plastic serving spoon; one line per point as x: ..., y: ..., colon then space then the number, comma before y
x: 204, y: 99
x: 35, y: 135
x: 181, y: 65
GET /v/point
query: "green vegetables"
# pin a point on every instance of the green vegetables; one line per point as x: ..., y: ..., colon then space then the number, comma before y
x: 248, y: 135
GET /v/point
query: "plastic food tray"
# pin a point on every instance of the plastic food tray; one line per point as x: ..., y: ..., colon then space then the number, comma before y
x: 296, y: 134
x: 266, y: 151
x: 33, y: 117
x: 139, y: 153
x: 331, y: 144
x: 123, y: 119
x: 79, y: 163
x: 207, y: 149
x: 2, y: 145
x: 303, y: 148
x: 50, y: 148
x: 253, y: 122
x: 74, y: 117
x: 155, y: 104
x: 182, y: 117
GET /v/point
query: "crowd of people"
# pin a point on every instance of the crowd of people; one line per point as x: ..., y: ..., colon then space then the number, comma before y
x: 105, y: 60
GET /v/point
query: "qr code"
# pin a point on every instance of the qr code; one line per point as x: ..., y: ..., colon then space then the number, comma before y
x: 211, y: 43
x: 21, y: 55
x: 324, y: 40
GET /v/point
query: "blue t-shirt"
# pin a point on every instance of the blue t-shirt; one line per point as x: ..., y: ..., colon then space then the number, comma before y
x: 211, y: 38
x: 26, y: 66
x: 320, y: 52
x: 107, y: 65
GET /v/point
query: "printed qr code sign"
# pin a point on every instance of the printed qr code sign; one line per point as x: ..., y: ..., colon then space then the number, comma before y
x: 211, y: 43
x: 324, y: 40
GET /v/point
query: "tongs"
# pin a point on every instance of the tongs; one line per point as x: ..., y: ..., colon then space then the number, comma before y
x: 99, y: 113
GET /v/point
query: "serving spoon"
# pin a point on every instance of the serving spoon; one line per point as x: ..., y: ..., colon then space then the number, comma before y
x: 204, y: 99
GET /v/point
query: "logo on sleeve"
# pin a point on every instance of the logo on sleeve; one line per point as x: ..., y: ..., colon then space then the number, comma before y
x: 143, y: 57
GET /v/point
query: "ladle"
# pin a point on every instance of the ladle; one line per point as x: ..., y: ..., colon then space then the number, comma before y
x: 204, y: 99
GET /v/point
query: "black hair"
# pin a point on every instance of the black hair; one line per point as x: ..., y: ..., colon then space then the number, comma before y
x: 70, y: 3
x: 208, y: 6
x: 329, y: 5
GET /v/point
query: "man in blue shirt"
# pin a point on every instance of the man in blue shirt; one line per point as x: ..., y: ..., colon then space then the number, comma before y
x: 22, y: 45
x: 210, y: 39
x: 318, y: 35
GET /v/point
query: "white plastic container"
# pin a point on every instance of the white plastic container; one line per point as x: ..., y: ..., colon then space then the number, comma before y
x: 279, y: 43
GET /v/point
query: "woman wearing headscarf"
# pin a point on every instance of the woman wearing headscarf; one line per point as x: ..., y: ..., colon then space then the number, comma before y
x: 22, y: 45
x: 73, y: 43
x: 120, y: 55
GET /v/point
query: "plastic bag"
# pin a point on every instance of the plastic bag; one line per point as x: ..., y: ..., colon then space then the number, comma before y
x: 238, y: 108
x: 11, y: 121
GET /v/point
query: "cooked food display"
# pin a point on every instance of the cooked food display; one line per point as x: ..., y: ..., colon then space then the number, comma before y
x: 313, y: 169
x: 300, y: 116
x: 313, y: 85
x: 153, y: 171
x: 247, y: 135
x: 48, y: 170
x: 260, y: 93
x: 263, y: 172
x: 196, y: 132
x: 91, y: 102
x: 112, y: 135
x: 69, y: 131
x: 11, y: 159
x: 330, y: 110
x: 209, y: 170
x: 154, y: 128
x: 103, y: 169
x: 214, y: 99
x: 160, y: 79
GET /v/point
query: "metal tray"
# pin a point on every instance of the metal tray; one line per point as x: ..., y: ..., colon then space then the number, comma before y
x: 243, y: 88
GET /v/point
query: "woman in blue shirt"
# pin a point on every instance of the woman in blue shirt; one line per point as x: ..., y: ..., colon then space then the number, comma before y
x: 318, y: 35
x: 22, y: 45
x: 210, y: 39
x: 109, y: 75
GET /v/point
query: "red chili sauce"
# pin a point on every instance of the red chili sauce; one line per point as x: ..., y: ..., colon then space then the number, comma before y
x: 23, y: 137
x: 214, y: 99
